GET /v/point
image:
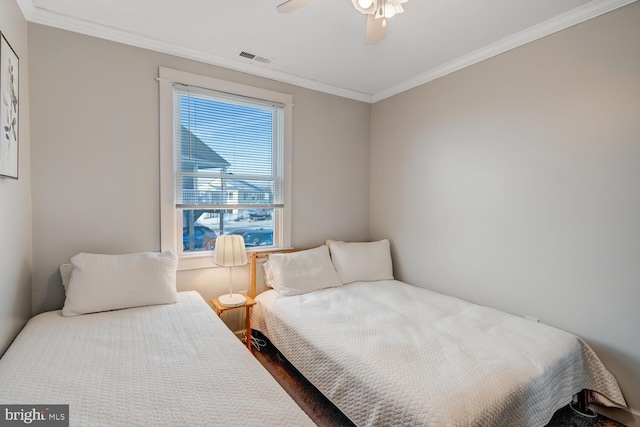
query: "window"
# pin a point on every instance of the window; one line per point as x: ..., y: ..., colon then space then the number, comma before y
x: 224, y: 153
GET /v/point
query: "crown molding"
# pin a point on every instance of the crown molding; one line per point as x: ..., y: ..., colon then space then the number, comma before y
x: 553, y: 25
x: 595, y: 8
x: 27, y: 8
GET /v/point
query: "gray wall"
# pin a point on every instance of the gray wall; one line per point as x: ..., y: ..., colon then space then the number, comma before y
x: 95, y: 165
x: 515, y: 183
x: 15, y: 198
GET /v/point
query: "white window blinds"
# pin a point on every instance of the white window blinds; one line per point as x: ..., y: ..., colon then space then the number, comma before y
x: 229, y: 150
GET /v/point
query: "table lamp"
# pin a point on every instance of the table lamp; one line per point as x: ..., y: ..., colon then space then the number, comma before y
x: 230, y: 252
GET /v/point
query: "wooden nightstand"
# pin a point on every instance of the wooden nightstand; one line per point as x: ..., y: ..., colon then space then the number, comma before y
x: 247, y: 308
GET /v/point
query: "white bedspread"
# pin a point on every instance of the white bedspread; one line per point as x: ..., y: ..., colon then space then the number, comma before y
x: 164, y: 365
x: 387, y: 353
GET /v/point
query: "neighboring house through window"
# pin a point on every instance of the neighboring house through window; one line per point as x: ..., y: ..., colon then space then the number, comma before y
x: 224, y: 153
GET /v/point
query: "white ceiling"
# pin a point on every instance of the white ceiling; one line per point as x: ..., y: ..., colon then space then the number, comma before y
x: 321, y: 46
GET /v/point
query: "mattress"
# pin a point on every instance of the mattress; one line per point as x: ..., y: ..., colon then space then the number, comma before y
x: 388, y: 353
x: 163, y: 365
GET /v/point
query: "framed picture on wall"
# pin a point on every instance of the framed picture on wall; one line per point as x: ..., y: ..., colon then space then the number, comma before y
x: 8, y: 109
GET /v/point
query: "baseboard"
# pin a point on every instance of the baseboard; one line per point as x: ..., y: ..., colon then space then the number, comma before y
x: 628, y: 416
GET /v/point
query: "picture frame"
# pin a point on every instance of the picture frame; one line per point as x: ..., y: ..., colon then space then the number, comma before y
x: 9, y: 109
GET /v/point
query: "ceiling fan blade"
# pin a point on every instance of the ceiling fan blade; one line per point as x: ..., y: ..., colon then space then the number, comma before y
x: 376, y: 31
x: 292, y: 5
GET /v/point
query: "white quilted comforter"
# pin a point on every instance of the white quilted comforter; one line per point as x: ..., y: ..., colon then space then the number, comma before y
x: 164, y: 365
x: 387, y: 353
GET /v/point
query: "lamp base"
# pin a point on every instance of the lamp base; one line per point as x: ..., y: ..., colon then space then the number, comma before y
x: 232, y: 300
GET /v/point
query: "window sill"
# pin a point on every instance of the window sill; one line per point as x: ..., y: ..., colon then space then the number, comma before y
x: 205, y: 260
x: 196, y: 261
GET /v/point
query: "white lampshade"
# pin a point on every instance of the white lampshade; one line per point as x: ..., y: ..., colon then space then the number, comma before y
x: 230, y: 252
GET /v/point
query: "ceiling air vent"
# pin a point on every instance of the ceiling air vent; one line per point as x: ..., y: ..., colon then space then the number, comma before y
x: 247, y: 55
x: 254, y: 57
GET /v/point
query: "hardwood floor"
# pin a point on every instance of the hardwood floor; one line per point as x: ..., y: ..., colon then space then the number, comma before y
x: 325, y: 414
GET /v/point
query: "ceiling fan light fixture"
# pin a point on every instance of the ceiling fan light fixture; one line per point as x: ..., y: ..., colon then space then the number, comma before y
x: 379, y: 13
x: 389, y: 11
x: 376, y: 11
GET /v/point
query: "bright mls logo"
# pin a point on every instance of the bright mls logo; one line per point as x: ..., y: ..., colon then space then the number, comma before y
x: 35, y: 415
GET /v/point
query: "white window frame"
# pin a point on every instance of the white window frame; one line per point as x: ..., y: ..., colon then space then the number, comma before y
x: 170, y: 222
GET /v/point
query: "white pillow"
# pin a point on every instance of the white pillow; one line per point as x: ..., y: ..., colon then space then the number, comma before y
x: 305, y: 271
x: 110, y: 282
x: 65, y: 273
x: 368, y: 261
x: 331, y: 242
x: 268, y: 274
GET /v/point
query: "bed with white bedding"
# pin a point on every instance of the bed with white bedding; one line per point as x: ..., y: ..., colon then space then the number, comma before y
x: 388, y: 353
x: 173, y: 364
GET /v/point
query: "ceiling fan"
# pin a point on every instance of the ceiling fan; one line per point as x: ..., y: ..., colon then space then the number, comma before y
x: 377, y: 11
